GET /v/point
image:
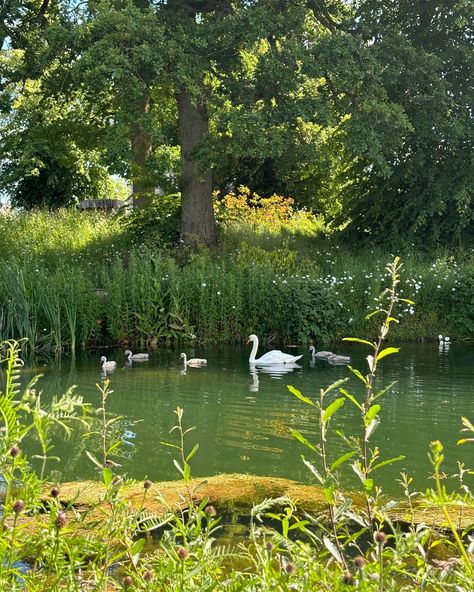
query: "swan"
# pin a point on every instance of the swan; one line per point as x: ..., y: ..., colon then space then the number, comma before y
x: 270, y: 358
x: 136, y: 357
x: 193, y: 362
x: 322, y: 355
x: 336, y: 359
x: 107, y: 365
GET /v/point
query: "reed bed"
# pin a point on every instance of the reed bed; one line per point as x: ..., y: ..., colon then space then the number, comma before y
x: 73, y: 279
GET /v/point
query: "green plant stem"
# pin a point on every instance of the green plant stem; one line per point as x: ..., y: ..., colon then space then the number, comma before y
x: 441, y: 496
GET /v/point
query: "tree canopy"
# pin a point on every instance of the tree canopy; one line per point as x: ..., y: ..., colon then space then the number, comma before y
x: 361, y: 110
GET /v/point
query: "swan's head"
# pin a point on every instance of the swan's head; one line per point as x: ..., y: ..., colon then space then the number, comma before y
x: 128, y: 353
x: 252, y: 338
x: 182, y: 356
x: 440, y: 338
x: 312, y: 349
x: 103, y: 359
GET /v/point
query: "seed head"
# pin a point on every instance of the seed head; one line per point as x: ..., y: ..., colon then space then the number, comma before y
x: 18, y: 506
x: 147, y: 484
x: 290, y: 567
x: 269, y: 546
x: 61, y: 520
x: 148, y: 575
x: 359, y: 561
x: 380, y: 537
x: 127, y: 581
x: 14, y: 451
x: 211, y: 511
x: 348, y: 579
x: 55, y: 492
x: 182, y: 553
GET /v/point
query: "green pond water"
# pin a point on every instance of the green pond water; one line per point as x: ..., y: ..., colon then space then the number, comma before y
x: 244, y: 419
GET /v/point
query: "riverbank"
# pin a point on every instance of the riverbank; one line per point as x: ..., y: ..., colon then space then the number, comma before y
x: 78, y: 279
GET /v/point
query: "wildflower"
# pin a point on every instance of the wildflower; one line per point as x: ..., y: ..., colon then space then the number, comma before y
x: 210, y: 510
x: 269, y: 546
x: 14, y: 451
x: 348, y: 579
x: 203, y: 285
x: 127, y: 581
x: 54, y: 492
x: 290, y: 567
x: 148, y: 575
x: 218, y: 292
x: 359, y: 561
x: 147, y: 484
x: 380, y: 537
x: 18, y: 506
x: 182, y: 553
x: 61, y: 520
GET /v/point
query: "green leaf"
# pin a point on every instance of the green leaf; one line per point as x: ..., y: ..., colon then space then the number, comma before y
x: 94, y: 459
x: 351, y: 398
x: 137, y: 546
x: 342, y: 459
x: 331, y: 547
x: 357, y: 340
x: 301, y: 397
x: 333, y: 407
x: 388, y: 462
x: 314, y: 470
x: 178, y: 466
x: 386, y: 352
x: 170, y: 445
x: 335, y: 385
x: 107, y: 476
x: 303, y: 440
x: 372, y: 413
x: 359, y: 375
x: 187, y: 472
x: 368, y: 485
x: 192, y: 453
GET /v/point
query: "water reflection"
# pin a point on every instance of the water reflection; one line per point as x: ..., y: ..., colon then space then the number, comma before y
x: 244, y: 415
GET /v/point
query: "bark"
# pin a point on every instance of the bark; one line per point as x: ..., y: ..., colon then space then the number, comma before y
x: 142, y: 187
x: 197, y: 219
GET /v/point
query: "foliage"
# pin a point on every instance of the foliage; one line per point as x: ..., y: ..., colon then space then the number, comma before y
x: 73, y: 279
x: 157, y: 225
x: 359, y: 110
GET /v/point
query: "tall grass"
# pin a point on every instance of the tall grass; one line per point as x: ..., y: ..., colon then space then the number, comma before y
x: 70, y: 279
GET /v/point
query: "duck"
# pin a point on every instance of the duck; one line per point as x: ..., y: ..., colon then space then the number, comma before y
x: 336, y: 359
x: 272, y: 357
x: 193, y: 362
x: 322, y: 355
x: 107, y: 365
x: 136, y: 357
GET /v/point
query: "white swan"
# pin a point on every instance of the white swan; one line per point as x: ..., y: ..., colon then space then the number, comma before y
x: 136, y: 357
x: 193, y: 362
x: 321, y: 355
x: 272, y: 357
x: 336, y: 359
x: 107, y: 365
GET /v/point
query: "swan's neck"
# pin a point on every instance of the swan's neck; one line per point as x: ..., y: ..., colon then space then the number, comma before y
x: 185, y: 360
x: 129, y: 356
x: 253, y: 353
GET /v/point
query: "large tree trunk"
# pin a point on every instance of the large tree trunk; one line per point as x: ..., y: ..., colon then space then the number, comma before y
x: 197, y: 219
x: 142, y: 186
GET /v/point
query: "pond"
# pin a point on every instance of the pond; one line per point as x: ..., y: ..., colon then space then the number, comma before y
x: 244, y: 419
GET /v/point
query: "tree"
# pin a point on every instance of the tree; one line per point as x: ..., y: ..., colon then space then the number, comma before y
x: 424, y: 193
